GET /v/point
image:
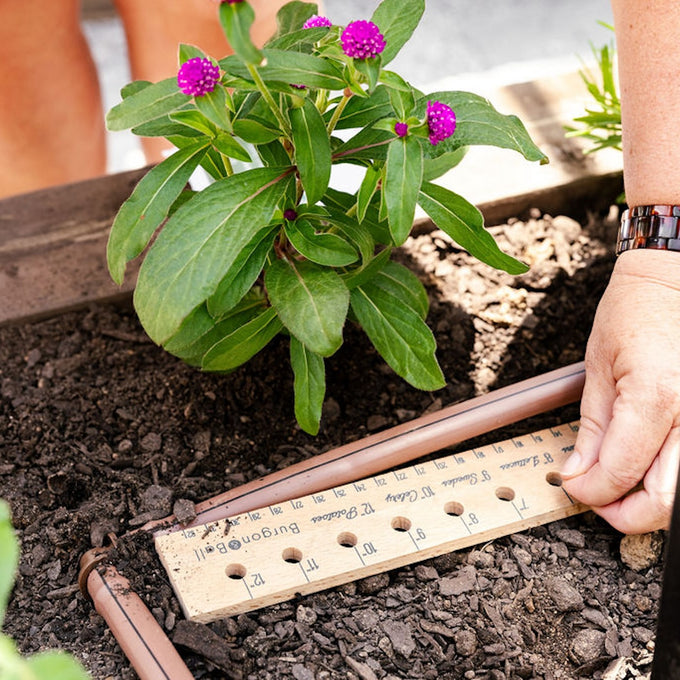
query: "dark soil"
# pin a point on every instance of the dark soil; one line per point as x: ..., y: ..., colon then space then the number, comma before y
x: 94, y: 418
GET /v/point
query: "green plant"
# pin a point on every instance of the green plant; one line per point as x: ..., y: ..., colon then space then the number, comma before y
x: 601, y: 124
x: 51, y: 665
x: 270, y: 247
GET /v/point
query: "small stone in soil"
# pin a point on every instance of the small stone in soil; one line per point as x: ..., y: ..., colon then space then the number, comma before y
x: 400, y: 636
x: 587, y: 645
x: 184, y: 510
x: 564, y: 595
x: 157, y: 500
x: 463, y: 582
x: 641, y: 551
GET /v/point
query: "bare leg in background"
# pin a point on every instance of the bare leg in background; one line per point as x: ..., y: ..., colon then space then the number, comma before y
x: 51, y: 118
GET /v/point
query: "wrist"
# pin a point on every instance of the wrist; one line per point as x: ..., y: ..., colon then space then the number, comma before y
x: 657, y: 266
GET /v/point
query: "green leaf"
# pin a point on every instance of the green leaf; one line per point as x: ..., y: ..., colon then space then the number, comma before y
x: 436, y: 167
x: 302, y: 40
x: 133, y: 87
x: 236, y: 19
x: 400, y: 282
x: 149, y: 204
x: 198, y: 323
x: 403, y: 177
x: 327, y: 249
x: 369, y: 144
x: 213, y: 163
x: 293, y: 15
x: 55, y: 665
x: 463, y: 222
x: 228, y: 146
x: 354, y: 232
x: 168, y: 127
x: 195, y: 120
x: 213, y: 105
x: 309, y: 385
x: 401, y: 94
x: 367, y: 190
x: 478, y: 123
x: 255, y: 131
x: 200, y: 332
x: 377, y: 228
x: 399, y: 334
x: 184, y: 196
x: 273, y: 153
x: 311, y: 301
x: 199, y: 244
x: 244, y: 343
x: 187, y: 52
x: 291, y: 67
x: 397, y: 19
x: 243, y: 273
x: 370, y: 69
x: 369, y: 269
x: 152, y: 102
x: 9, y: 557
x: 312, y: 150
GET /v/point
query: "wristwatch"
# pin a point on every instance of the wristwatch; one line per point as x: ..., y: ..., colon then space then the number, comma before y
x: 649, y: 226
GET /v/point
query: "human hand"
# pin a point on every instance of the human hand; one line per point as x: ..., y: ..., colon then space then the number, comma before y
x: 630, y: 409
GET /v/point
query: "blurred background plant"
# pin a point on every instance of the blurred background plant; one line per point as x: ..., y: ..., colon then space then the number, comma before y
x: 601, y: 123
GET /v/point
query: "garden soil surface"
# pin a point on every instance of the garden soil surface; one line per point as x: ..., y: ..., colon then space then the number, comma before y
x: 101, y: 430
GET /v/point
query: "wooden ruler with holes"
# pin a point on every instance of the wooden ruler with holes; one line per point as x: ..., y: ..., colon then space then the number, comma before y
x: 369, y: 526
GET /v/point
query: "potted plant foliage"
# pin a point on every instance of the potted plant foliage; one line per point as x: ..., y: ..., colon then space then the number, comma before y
x: 270, y: 247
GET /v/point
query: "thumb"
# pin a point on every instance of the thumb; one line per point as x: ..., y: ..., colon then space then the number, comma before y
x: 599, y: 393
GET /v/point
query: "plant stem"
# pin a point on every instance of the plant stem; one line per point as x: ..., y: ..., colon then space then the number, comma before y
x: 264, y: 91
x: 227, y: 165
x: 321, y: 100
x: 337, y: 112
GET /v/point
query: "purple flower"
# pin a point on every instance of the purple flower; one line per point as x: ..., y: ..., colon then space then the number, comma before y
x: 362, y: 40
x: 315, y: 21
x: 197, y: 77
x: 441, y: 121
x: 231, y: 2
x: 289, y: 214
x: 401, y: 129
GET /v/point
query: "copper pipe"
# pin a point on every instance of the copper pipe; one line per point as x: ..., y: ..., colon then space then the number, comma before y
x: 138, y: 633
x: 144, y: 642
x: 394, y: 446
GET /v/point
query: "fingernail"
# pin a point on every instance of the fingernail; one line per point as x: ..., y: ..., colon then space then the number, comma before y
x: 573, y: 465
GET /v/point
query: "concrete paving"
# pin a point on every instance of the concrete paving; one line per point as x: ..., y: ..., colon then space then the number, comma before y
x: 467, y: 44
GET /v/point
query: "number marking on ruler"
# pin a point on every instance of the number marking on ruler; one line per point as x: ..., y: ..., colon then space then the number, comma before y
x: 369, y: 526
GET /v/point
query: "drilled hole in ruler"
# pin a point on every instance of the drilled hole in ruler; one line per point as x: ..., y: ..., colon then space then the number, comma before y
x: 236, y: 571
x: 454, y: 508
x: 505, y: 493
x: 401, y: 524
x: 347, y: 539
x: 292, y: 555
x: 554, y: 478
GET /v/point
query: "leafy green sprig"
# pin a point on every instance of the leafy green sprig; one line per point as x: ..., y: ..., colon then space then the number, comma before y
x: 601, y: 123
x: 270, y: 247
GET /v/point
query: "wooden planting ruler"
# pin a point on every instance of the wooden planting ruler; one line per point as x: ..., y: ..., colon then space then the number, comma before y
x: 348, y: 532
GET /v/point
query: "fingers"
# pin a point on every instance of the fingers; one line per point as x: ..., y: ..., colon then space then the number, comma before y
x: 631, y: 400
x: 597, y: 403
x: 649, y: 508
x: 628, y: 442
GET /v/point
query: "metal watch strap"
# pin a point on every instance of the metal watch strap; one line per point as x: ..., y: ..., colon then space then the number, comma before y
x: 649, y: 226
